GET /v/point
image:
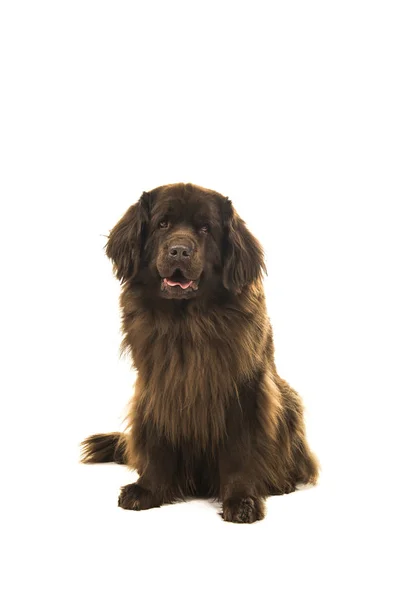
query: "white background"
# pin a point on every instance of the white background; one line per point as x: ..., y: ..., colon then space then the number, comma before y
x: 291, y: 109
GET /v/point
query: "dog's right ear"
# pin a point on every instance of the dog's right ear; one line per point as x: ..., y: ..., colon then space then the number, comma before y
x: 126, y: 240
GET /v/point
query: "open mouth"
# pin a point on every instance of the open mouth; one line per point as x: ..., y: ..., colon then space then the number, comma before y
x: 178, y: 279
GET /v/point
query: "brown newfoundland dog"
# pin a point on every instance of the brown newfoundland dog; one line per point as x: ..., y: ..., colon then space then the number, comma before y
x: 210, y: 415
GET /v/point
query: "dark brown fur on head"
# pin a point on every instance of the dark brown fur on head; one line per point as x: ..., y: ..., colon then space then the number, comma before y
x: 216, y: 244
x: 210, y: 415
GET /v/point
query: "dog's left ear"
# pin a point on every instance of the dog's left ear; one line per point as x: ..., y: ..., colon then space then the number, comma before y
x: 243, y: 256
x: 126, y: 240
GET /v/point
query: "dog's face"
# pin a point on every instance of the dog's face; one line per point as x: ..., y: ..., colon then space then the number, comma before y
x: 183, y: 245
x: 183, y: 241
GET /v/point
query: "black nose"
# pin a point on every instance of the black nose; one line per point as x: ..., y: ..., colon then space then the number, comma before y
x: 180, y: 251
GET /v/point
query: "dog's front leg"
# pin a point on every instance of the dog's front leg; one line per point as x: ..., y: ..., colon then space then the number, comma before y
x: 240, y: 501
x: 157, y: 482
x: 238, y: 472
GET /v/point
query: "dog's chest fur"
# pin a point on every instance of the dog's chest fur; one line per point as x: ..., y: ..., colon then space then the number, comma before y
x: 190, y: 365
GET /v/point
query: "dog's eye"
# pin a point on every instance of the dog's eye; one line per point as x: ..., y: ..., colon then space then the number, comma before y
x: 204, y: 229
x: 163, y: 224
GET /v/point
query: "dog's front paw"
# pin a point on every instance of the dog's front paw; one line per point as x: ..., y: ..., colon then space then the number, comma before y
x: 134, y: 497
x: 247, y: 509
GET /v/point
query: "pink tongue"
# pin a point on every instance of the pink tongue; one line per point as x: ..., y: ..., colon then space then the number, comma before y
x: 184, y: 286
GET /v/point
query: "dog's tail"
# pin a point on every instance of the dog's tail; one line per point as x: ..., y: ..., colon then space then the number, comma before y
x: 104, y: 447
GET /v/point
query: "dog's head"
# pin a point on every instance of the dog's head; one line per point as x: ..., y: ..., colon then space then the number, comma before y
x: 182, y: 241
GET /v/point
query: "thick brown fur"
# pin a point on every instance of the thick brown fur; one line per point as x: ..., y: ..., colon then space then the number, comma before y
x: 210, y: 415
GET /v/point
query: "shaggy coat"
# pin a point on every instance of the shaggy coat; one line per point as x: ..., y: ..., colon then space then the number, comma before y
x: 210, y: 416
